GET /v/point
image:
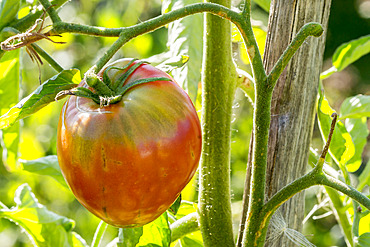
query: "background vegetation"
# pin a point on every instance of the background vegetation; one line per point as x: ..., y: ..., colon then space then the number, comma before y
x: 348, y: 20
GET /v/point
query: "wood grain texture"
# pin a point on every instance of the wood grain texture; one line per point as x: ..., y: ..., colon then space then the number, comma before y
x: 293, y: 103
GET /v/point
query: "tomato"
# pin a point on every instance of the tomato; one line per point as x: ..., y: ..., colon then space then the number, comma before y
x: 128, y: 162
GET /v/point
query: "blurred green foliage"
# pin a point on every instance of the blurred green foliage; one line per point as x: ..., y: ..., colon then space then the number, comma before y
x: 38, y: 136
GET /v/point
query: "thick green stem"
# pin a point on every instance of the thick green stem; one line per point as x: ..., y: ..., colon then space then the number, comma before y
x: 262, y: 116
x: 218, y: 85
x: 255, y: 233
x: 184, y: 226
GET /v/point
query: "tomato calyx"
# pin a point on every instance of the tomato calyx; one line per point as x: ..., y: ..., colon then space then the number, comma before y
x: 106, y: 92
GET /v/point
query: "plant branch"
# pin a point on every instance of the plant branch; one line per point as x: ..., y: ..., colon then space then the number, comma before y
x: 152, y: 24
x: 48, y: 58
x: 247, y: 9
x: 346, y: 189
x: 184, y: 226
x: 123, y: 39
x: 309, y: 29
x: 49, y: 8
x: 315, y: 177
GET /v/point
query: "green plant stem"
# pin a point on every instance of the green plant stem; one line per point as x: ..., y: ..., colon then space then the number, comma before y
x: 48, y: 58
x: 184, y: 226
x: 262, y: 117
x: 346, y: 189
x: 99, y: 233
x: 243, y: 23
x: 341, y: 215
x: 218, y: 88
x: 309, y: 29
x: 315, y: 177
x: 49, y: 8
x: 255, y: 233
x: 126, y: 34
x: 123, y: 39
x: 152, y: 24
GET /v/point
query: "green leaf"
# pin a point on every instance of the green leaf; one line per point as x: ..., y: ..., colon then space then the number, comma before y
x: 9, y: 91
x: 341, y: 148
x: 47, y: 165
x: 44, y: 227
x: 186, y: 208
x: 350, y: 52
x: 156, y: 233
x: 42, y: 96
x: 347, y: 54
x: 130, y: 236
x: 193, y: 239
x: 357, y: 128
x: 355, y: 107
x: 364, y: 240
x: 185, y: 38
x: 8, y: 11
x: 175, y: 206
x: 264, y: 4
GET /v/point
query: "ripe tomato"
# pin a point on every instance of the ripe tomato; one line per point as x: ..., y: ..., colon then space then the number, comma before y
x: 128, y: 162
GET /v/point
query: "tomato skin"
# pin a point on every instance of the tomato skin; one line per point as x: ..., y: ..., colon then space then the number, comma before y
x: 128, y: 162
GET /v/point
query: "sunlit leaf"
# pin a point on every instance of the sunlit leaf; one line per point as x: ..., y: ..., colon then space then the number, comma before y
x: 44, y: 227
x: 341, y: 148
x: 185, y: 38
x: 350, y: 52
x: 42, y: 96
x: 185, y: 209
x: 347, y: 54
x: 355, y: 107
x: 130, y: 236
x: 156, y: 233
x: 8, y: 11
x: 364, y: 225
x: 364, y: 240
x: 47, y: 165
x: 193, y: 239
x: 357, y: 128
x: 9, y: 94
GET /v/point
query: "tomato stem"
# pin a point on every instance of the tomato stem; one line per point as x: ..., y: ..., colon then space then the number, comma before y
x: 100, y: 87
x: 121, y: 81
